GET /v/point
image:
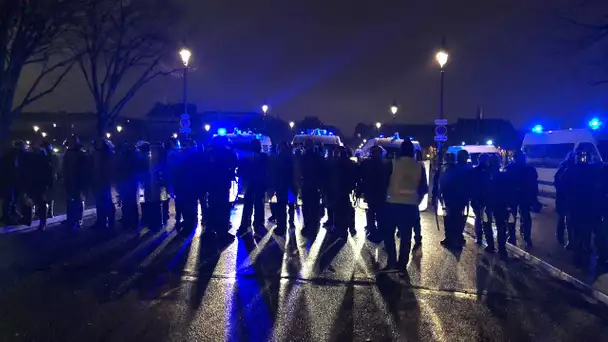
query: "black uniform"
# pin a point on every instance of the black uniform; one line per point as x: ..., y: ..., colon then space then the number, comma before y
x: 284, y: 184
x: 375, y: 172
x: 311, y: 164
x: 454, y: 189
x: 495, y: 203
x: 561, y: 199
x: 223, y: 163
x: 103, y: 173
x: 252, y: 172
x: 39, y: 175
x: 524, y: 181
x: 128, y: 187
x: 583, y: 185
x: 342, y: 178
x: 76, y: 178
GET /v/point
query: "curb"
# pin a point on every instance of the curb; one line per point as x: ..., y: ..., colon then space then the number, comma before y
x: 552, y: 270
x: 50, y: 222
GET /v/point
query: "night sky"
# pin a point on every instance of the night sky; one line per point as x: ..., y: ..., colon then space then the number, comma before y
x: 347, y: 61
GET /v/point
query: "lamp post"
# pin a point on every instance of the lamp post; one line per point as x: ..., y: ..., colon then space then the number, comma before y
x: 378, y: 125
x: 291, y: 124
x: 207, y: 127
x: 185, y: 54
x: 118, y: 128
x: 442, y: 59
x: 36, y: 129
x: 264, y: 111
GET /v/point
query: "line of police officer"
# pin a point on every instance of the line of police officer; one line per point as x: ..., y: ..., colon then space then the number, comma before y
x: 497, y: 196
x: 582, y: 206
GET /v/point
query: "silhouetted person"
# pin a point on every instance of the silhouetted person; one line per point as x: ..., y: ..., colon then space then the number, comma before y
x: 75, y: 170
x: 252, y: 172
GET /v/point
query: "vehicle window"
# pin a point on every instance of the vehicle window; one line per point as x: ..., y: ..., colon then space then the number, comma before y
x: 602, y: 145
x: 547, y: 155
x: 590, y: 149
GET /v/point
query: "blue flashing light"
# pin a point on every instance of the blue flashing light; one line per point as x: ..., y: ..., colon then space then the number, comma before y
x: 381, y: 135
x: 221, y: 132
x: 463, y: 143
x: 301, y: 132
x: 537, y: 129
x: 595, y: 124
x: 331, y: 133
x: 489, y: 142
x: 411, y: 138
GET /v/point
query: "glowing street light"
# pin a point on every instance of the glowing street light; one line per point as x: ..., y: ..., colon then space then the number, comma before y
x: 291, y: 124
x: 207, y: 127
x: 185, y: 54
x: 43, y: 134
x: 56, y: 150
x: 442, y: 58
x: 174, y: 135
x: 378, y: 125
x: 108, y: 135
x: 394, y: 109
x: 36, y: 128
x: 490, y: 142
x: 118, y: 128
x: 54, y: 125
x: 264, y: 108
x: 364, y: 141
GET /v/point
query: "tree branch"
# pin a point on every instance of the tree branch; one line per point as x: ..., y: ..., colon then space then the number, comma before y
x: 29, y: 97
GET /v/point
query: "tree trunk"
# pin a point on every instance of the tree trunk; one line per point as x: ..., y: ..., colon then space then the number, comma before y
x: 6, y: 117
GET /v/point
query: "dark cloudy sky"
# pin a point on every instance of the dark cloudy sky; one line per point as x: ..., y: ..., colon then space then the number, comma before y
x: 347, y: 61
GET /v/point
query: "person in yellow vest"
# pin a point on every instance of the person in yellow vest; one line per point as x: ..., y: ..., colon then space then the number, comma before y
x: 407, y: 187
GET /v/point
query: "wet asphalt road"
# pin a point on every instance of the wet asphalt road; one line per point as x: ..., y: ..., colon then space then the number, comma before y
x: 144, y: 286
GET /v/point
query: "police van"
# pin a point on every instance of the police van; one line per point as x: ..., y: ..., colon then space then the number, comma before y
x: 545, y: 150
x: 319, y: 137
x: 475, y: 151
x: 392, y: 146
x: 240, y: 142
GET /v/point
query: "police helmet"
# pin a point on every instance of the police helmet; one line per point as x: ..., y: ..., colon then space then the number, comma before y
x: 462, y: 157
x: 449, y: 158
x: 483, y: 159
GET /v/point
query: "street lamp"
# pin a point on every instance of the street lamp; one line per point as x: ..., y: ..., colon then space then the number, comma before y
x: 118, y: 128
x: 54, y: 125
x: 174, y: 135
x: 442, y: 58
x: 291, y: 124
x: 378, y: 125
x: 43, y: 134
x: 185, y: 54
x: 394, y: 109
x: 207, y: 127
x: 264, y: 108
x: 108, y: 135
x: 36, y: 128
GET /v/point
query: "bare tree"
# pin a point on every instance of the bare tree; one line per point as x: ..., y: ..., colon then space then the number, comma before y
x: 30, y: 33
x: 123, y: 44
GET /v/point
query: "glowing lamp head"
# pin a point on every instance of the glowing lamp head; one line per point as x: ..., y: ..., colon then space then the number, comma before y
x: 264, y: 108
x: 490, y: 142
x: 118, y: 128
x: 394, y: 109
x: 537, y: 129
x: 43, y: 134
x: 595, y: 123
x: 174, y: 135
x: 291, y: 124
x: 378, y: 125
x: 56, y: 150
x: 463, y: 143
x: 442, y: 58
x: 207, y: 127
x: 54, y: 125
x: 108, y: 135
x: 221, y: 132
x: 36, y: 128
x: 185, y: 54
x: 364, y: 141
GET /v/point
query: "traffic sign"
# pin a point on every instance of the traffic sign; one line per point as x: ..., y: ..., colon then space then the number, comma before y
x: 441, y: 138
x: 441, y: 122
x: 441, y: 130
